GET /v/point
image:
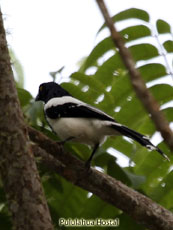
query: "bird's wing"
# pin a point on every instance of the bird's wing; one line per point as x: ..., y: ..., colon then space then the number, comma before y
x: 71, y: 107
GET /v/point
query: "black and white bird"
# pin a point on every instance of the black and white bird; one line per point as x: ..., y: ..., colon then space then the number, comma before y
x: 72, y: 119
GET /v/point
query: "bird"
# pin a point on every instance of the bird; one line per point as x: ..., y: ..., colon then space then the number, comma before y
x: 74, y: 120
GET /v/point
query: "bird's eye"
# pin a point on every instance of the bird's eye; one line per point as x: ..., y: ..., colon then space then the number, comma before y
x: 41, y: 88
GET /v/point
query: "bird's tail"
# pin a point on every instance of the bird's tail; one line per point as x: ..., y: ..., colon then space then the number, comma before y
x: 142, y: 139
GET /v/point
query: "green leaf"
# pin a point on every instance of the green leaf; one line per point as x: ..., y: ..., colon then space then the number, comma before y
x: 146, y: 126
x: 24, y: 96
x: 135, y: 32
x: 117, y: 172
x: 127, y: 222
x: 135, y: 179
x: 35, y: 113
x: 5, y: 217
x: 90, y: 80
x: 143, y: 51
x: 5, y: 221
x: 95, y: 84
x: 121, y: 145
x: 108, y: 70
x: 163, y: 27
x: 129, y: 33
x: 168, y: 45
x: 134, y: 109
x: 17, y: 69
x: 162, y: 93
x: 160, y: 189
x: 97, y: 208
x: 60, y: 193
x: 132, y: 13
x: 75, y: 90
x: 168, y: 112
x: 101, y: 48
x: 128, y: 14
x: 121, y: 88
x: 152, y: 71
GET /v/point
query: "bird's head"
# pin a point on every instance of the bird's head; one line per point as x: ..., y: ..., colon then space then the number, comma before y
x: 50, y: 90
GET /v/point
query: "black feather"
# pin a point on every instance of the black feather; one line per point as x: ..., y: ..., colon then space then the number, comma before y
x: 76, y: 111
x: 66, y: 106
x: 141, y: 139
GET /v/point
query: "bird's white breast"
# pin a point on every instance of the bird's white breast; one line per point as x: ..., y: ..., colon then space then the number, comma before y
x: 87, y: 131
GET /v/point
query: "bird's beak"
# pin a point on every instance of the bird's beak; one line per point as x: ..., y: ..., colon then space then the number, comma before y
x: 37, y: 97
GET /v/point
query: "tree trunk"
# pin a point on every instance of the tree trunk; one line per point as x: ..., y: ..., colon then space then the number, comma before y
x: 18, y: 170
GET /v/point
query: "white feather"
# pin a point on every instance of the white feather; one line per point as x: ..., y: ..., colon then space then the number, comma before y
x: 61, y: 100
x: 151, y: 147
x: 68, y: 99
x: 86, y: 131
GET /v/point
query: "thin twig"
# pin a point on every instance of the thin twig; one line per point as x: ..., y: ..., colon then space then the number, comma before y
x: 139, y: 207
x: 138, y: 83
x: 163, y: 51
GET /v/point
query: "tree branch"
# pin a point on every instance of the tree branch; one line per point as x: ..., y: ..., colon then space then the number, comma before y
x: 18, y: 170
x: 139, y: 86
x: 136, y: 205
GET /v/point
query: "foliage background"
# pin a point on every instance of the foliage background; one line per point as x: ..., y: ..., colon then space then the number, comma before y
x: 103, y: 81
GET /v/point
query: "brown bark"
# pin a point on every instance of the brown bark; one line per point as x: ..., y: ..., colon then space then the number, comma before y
x: 136, y: 205
x: 19, y: 174
x: 138, y: 83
